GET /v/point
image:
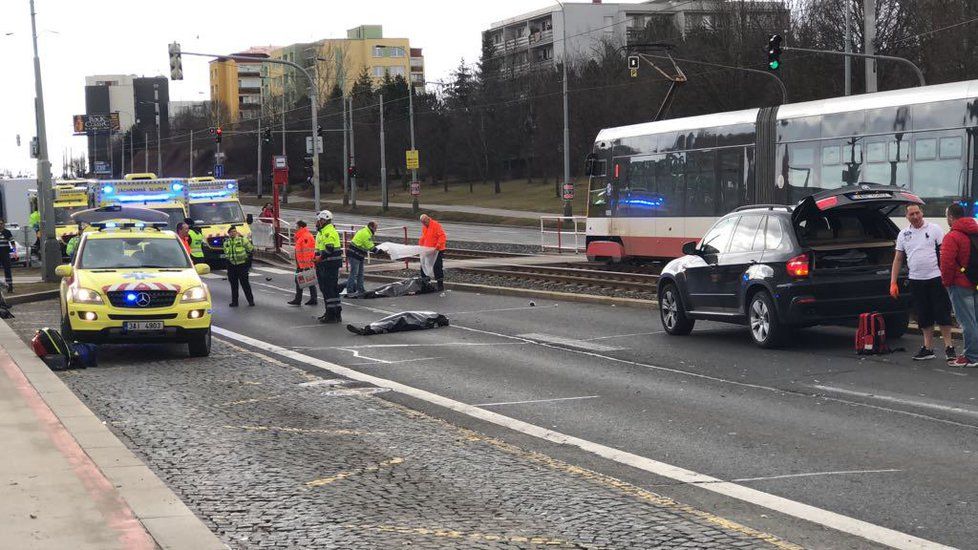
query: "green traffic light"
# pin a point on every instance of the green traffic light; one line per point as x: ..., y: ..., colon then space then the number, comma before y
x: 774, y: 65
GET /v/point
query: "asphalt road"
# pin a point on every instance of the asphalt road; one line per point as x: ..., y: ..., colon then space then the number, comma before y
x: 391, y: 227
x: 883, y: 439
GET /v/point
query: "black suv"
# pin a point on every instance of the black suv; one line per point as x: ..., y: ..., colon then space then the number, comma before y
x: 775, y: 267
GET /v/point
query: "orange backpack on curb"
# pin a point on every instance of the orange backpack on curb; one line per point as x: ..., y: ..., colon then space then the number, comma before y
x: 871, y: 334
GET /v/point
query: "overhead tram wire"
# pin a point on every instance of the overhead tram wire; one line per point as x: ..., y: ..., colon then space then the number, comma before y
x: 925, y: 33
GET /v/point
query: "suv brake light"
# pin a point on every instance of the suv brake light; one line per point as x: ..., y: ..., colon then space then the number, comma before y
x: 798, y: 266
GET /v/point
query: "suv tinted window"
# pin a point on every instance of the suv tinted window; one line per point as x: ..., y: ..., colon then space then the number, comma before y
x: 743, y: 237
x: 774, y: 235
x: 717, y: 237
x: 844, y: 226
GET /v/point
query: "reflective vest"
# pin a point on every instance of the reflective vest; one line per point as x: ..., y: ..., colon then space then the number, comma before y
x: 305, y: 248
x: 328, y: 243
x: 72, y: 246
x: 236, y: 249
x: 361, y: 244
x: 196, y: 243
x: 35, y: 219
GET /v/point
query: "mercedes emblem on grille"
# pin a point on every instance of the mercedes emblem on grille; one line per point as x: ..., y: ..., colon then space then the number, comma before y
x: 143, y: 299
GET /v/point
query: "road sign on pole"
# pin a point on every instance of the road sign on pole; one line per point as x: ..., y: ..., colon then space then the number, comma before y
x: 568, y: 191
x: 319, y: 144
x: 218, y: 170
x: 413, y: 162
x: 415, y: 188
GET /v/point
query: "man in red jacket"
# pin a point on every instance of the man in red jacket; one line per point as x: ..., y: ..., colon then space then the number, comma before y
x: 433, y: 235
x: 955, y: 252
x: 305, y: 253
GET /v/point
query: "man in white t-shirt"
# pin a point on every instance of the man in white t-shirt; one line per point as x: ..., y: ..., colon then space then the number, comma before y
x: 919, y: 244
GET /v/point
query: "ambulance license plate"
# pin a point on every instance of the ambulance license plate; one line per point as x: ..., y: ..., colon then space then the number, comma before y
x: 143, y: 326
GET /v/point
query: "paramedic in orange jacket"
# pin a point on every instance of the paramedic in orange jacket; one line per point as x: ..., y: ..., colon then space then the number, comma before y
x: 432, y: 235
x: 305, y: 254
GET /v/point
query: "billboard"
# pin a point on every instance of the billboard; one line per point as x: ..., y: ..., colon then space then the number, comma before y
x: 86, y: 124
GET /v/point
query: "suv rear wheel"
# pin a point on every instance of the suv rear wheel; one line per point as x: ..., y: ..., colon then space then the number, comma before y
x: 672, y: 314
x: 762, y: 319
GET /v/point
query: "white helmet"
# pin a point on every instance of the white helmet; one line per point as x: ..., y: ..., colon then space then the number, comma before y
x: 324, y: 215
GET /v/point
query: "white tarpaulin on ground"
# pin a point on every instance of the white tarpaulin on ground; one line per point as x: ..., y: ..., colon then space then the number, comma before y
x: 426, y: 254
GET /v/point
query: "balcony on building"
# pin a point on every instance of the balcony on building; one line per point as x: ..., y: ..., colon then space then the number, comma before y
x: 515, y: 37
x: 541, y: 30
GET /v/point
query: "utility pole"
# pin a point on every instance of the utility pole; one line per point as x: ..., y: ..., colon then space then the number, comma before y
x: 313, y: 98
x: 111, y: 156
x: 568, y: 205
x: 50, y: 249
x: 353, y: 159
x: 848, y: 60
x: 869, y: 35
x: 383, y: 159
x: 261, y: 106
x: 414, y: 171
x: 122, y: 163
x: 191, y: 152
x: 346, y: 158
x: 145, y: 151
x: 159, y: 143
x: 132, y: 154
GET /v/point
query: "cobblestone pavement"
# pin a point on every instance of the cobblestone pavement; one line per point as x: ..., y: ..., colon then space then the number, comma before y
x: 271, y: 456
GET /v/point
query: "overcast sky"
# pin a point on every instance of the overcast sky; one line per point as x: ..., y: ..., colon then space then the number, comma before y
x: 85, y: 37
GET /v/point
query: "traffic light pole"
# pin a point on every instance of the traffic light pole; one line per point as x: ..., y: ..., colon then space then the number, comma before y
x: 50, y: 249
x: 261, y: 107
x: 916, y: 69
x: 314, y: 104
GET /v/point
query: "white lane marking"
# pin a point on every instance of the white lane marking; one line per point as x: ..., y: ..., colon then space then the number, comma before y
x: 814, y: 474
x: 901, y: 401
x: 951, y: 372
x: 357, y: 355
x: 327, y: 382
x: 274, y: 270
x: 832, y: 520
x: 568, y: 342
x: 211, y: 276
x: 721, y: 380
x: 273, y: 287
x: 398, y: 362
x: 433, y: 344
x: 534, y: 401
x: 624, y: 335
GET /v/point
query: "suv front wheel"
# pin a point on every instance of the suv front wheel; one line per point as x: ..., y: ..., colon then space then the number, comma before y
x: 762, y: 319
x: 672, y: 314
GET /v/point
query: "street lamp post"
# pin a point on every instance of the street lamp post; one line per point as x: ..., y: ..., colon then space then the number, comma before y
x: 568, y: 205
x: 50, y: 249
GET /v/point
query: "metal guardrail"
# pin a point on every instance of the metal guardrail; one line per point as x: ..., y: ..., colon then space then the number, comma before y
x: 554, y: 234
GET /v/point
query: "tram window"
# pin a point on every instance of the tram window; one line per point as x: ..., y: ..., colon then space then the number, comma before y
x: 888, y: 120
x: 670, y: 183
x: 796, y: 129
x: 670, y: 142
x: 701, y: 183
x: 733, y: 191
x: 844, y: 124
x: 705, y: 138
x: 950, y: 148
x: 899, y: 148
x: 743, y: 237
x: 830, y: 155
x: 838, y: 165
x: 799, y: 170
x: 936, y: 179
x: 740, y: 134
x: 876, y: 152
x: 942, y: 114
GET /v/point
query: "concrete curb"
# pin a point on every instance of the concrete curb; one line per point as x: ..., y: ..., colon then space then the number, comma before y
x: 161, y: 512
x: 32, y: 297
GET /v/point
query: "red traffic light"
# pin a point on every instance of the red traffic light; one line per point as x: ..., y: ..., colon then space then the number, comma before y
x: 218, y: 134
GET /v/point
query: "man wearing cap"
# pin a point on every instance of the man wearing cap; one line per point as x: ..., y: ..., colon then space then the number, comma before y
x: 195, y: 241
x: 238, y: 250
x: 329, y: 258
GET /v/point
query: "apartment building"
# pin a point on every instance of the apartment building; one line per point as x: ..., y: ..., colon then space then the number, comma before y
x: 131, y: 96
x: 338, y: 62
x: 536, y: 39
x: 237, y: 85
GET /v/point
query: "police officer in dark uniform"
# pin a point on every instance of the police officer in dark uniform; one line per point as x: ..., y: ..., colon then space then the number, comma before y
x: 7, y: 244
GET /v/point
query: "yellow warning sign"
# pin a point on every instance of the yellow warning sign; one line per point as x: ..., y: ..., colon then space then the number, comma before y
x: 412, y: 159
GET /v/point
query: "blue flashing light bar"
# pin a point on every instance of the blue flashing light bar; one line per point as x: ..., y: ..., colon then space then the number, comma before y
x: 231, y: 186
x: 145, y: 198
x: 139, y: 225
x: 108, y: 189
x: 131, y: 297
x: 111, y: 224
x: 209, y: 194
x: 177, y: 187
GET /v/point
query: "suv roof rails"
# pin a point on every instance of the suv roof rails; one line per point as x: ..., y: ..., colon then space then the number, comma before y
x: 762, y: 206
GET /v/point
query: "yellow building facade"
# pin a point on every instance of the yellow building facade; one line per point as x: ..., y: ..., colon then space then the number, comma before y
x: 237, y: 85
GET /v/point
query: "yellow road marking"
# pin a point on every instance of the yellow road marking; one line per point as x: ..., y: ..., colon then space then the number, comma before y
x: 359, y: 471
x: 296, y: 430
x: 459, y: 535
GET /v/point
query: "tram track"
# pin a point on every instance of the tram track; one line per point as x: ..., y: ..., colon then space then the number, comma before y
x: 571, y: 276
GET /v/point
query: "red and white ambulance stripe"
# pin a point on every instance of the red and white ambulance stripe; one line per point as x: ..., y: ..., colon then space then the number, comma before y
x: 140, y: 286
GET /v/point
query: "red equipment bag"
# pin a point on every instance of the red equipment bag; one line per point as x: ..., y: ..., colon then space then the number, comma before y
x: 48, y: 344
x: 871, y: 334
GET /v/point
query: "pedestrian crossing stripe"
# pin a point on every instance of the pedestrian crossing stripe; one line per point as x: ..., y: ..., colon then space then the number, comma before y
x: 274, y: 270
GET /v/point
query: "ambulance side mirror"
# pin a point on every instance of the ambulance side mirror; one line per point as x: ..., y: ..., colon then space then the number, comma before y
x: 202, y: 269
x: 250, y: 219
x: 63, y: 271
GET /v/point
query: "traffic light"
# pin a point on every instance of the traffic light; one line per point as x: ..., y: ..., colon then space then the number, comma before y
x: 352, y: 171
x: 218, y: 134
x: 267, y: 135
x: 319, y: 131
x: 774, y: 52
x: 176, y: 63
